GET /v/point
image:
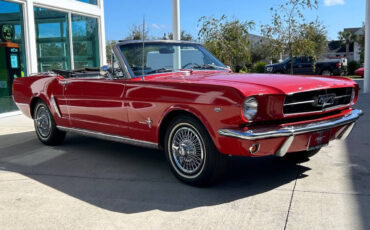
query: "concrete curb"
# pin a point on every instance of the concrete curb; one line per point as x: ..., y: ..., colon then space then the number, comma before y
x: 10, y: 114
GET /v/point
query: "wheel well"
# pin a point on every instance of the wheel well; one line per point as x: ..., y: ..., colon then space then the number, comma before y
x: 166, y: 121
x: 33, y: 104
x: 325, y: 68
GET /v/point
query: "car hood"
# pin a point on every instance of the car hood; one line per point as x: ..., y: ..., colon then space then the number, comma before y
x: 261, y: 83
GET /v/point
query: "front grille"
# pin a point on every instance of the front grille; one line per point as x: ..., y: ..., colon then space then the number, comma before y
x: 317, y: 100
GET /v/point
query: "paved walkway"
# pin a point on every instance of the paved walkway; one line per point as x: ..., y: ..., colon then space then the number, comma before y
x: 94, y: 184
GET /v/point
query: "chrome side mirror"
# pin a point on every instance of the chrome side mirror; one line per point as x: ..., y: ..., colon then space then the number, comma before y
x: 105, y: 70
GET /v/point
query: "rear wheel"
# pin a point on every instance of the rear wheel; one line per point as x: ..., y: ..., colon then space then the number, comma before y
x: 45, y: 126
x: 191, y: 154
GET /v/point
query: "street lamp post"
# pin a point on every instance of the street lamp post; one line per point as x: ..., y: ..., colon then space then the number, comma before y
x: 367, y: 49
x: 176, y: 19
x: 176, y: 33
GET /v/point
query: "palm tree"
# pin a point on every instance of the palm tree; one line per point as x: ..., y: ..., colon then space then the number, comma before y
x: 347, y: 38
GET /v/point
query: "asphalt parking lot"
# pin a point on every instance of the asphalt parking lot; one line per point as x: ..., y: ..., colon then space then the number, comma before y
x: 94, y: 184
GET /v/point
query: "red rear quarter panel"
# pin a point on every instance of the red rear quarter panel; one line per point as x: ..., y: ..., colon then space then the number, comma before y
x: 27, y: 88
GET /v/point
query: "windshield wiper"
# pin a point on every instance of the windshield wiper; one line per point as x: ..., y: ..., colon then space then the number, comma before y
x: 210, y: 66
x: 161, y: 70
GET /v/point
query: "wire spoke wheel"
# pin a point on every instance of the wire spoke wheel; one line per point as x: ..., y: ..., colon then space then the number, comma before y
x: 43, y: 121
x: 187, y: 150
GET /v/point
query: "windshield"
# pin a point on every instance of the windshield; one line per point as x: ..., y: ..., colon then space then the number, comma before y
x: 168, y: 57
x: 286, y: 60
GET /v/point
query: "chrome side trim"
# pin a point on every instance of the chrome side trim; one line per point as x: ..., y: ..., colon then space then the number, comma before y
x: 263, y: 133
x: 54, y: 103
x: 109, y: 137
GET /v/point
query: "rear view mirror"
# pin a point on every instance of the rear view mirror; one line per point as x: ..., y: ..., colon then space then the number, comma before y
x: 166, y: 51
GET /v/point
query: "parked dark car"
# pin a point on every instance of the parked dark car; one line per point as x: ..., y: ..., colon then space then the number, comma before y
x: 305, y: 66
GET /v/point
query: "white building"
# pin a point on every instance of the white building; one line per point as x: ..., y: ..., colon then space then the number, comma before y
x: 54, y: 34
x: 337, y: 48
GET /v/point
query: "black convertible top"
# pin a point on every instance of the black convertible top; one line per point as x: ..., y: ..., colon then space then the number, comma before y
x: 85, y: 72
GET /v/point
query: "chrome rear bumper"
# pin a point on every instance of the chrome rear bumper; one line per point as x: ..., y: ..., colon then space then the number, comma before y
x: 291, y: 131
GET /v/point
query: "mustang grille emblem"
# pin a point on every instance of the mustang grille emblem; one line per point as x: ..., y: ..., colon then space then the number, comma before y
x: 324, y: 100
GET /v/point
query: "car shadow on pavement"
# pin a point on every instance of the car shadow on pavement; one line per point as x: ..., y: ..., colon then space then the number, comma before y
x: 129, y: 179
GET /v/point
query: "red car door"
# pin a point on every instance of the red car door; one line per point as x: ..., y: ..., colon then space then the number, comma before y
x: 144, y: 113
x: 97, y: 104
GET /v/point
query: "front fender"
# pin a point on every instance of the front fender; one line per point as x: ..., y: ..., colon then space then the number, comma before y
x: 191, y: 110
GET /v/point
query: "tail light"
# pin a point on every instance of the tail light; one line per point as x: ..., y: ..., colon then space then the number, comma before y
x: 339, y: 64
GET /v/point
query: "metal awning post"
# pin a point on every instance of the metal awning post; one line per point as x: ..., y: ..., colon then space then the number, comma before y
x: 367, y: 49
x: 176, y: 32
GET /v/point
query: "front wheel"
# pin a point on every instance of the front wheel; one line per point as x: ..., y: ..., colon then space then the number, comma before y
x: 191, y: 154
x: 326, y: 72
x: 45, y: 126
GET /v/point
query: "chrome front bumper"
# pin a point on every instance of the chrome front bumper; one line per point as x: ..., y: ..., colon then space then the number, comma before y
x: 291, y: 131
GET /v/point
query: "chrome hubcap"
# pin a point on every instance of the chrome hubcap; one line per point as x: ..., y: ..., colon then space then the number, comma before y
x: 187, y: 150
x: 43, y: 122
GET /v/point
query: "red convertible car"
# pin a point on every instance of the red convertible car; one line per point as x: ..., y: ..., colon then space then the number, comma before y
x: 176, y: 96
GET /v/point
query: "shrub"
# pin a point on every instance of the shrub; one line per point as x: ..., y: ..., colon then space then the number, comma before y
x: 352, y: 66
x: 259, y: 67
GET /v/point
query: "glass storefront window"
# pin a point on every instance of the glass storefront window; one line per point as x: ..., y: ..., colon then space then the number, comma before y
x: 85, y: 42
x: 12, y: 51
x: 94, y: 2
x: 52, y: 38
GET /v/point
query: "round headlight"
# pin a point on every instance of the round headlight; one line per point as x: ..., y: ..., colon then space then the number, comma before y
x: 250, y: 108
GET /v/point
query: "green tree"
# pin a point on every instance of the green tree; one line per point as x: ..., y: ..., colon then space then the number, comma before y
x: 136, y: 33
x: 261, y: 52
x: 287, y: 31
x: 108, y: 47
x: 315, y: 36
x: 361, y: 42
x: 347, y: 38
x: 227, y: 40
x: 184, y: 36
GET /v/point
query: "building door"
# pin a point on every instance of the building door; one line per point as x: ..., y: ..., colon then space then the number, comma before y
x: 12, y: 55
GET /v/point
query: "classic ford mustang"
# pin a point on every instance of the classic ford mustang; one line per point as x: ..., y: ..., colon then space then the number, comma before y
x: 178, y: 97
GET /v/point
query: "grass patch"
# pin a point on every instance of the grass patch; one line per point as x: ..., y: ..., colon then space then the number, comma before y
x: 354, y: 77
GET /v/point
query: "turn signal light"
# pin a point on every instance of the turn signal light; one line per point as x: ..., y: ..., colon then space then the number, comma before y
x: 254, y: 148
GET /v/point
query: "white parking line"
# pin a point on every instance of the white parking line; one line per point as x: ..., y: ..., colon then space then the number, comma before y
x: 10, y: 114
